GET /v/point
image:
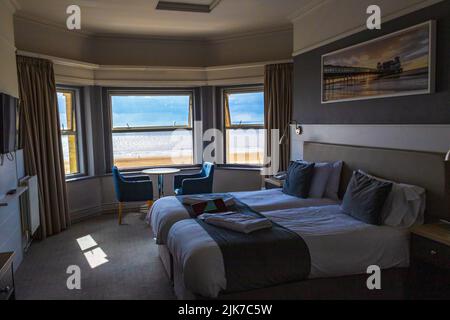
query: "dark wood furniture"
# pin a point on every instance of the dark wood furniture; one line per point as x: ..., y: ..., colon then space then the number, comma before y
x: 7, y: 289
x: 273, y: 183
x: 429, y: 275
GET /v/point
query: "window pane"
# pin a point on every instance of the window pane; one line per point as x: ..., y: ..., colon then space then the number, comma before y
x: 150, y: 111
x: 69, y: 136
x: 245, y: 146
x: 148, y: 149
x: 246, y: 108
x: 65, y: 107
x: 69, y: 144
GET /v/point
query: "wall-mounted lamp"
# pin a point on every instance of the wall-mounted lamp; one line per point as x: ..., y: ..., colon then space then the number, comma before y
x: 298, y: 131
x: 447, y: 157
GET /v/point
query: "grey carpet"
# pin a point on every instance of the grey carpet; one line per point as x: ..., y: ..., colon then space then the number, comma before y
x: 133, y: 270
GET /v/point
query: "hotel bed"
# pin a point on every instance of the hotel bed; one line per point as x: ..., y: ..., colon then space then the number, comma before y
x: 340, y: 247
x: 169, y: 210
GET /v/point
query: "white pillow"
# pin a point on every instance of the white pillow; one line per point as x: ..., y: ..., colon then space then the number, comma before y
x: 321, y: 175
x: 332, y: 190
x: 405, y: 205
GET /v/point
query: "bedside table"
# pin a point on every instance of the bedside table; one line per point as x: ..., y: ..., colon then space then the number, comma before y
x: 429, y: 274
x: 7, y: 291
x: 273, y: 183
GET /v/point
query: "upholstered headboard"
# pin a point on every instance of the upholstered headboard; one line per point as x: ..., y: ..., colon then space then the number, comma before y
x: 424, y: 169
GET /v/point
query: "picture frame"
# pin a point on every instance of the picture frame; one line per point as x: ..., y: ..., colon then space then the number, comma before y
x: 387, y: 66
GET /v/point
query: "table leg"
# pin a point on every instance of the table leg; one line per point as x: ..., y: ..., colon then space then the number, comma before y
x: 161, y: 185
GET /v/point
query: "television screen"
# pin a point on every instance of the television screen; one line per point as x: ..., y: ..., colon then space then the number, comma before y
x: 8, y: 123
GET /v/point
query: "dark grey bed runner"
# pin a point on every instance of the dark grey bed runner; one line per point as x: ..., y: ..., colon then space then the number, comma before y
x: 261, y: 259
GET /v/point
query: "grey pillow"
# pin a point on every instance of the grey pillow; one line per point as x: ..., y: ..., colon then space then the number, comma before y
x: 365, y: 198
x: 321, y: 174
x: 332, y: 190
x: 298, y: 179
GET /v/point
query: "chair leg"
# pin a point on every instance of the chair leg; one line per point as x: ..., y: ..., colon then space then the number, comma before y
x: 120, y: 212
x: 149, y: 204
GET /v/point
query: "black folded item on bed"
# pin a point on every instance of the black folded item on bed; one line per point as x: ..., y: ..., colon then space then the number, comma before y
x: 261, y: 259
x: 205, y: 203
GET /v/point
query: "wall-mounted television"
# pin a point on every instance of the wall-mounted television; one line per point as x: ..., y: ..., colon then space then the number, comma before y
x: 8, y: 123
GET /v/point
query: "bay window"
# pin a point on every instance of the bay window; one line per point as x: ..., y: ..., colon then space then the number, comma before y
x: 69, y: 129
x: 244, y: 126
x: 151, y: 129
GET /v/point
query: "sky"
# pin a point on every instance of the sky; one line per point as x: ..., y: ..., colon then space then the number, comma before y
x: 412, y: 47
x: 142, y: 111
x: 62, y: 110
x: 139, y: 111
x: 247, y: 108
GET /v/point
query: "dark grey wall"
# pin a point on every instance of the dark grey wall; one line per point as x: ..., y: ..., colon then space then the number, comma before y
x: 417, y: 109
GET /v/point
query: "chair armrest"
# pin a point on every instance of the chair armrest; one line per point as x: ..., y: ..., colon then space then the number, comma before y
x: 136, y: 178
x: 196, y: 185
x: 178, y: 180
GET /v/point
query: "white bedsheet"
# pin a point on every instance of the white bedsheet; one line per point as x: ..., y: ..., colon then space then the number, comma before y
x: 167, y: 211
x: 339, y: 245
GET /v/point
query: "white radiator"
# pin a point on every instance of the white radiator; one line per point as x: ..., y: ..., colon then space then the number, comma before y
x: 30, y: 206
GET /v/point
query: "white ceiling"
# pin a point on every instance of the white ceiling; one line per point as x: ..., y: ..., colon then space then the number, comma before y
x: 140, y: 18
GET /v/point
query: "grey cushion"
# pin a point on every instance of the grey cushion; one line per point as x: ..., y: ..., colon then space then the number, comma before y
x: 365, y: 198
x: 298, y: 179
x: 321, y: 175
x: 332, y: 190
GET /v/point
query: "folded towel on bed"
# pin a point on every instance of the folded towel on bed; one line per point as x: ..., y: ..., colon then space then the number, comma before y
x: 239, y: 222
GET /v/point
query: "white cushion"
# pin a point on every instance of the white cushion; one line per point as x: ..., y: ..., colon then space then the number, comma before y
x: 405, y: 205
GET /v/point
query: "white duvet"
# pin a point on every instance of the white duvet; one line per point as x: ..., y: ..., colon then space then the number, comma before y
x: 339, y: 245
x: 167, y: 211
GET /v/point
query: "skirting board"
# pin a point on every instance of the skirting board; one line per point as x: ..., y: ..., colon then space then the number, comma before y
x: 111, y: 208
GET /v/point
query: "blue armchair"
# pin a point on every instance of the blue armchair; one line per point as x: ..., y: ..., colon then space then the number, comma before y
x: 132, y: 189
x: 195, y: 183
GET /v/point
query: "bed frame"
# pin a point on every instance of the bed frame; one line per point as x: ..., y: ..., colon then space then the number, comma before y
x: 425, y: 169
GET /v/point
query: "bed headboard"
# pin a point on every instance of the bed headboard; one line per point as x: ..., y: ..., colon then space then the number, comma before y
x: 424, y: 169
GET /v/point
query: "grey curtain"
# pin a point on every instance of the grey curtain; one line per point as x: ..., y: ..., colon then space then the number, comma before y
x: 40, y: 138
x: 278, y: 106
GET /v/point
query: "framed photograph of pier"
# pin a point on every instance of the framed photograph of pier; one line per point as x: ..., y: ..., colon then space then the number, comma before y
x: 398, y: 64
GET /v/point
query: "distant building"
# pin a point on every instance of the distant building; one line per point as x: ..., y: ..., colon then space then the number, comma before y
x: 390, y: 67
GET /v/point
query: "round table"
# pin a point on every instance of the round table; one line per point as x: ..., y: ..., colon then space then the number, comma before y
x: 161, y: 172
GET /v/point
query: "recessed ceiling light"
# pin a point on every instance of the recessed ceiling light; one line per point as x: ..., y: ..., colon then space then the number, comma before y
x: 187, y: 6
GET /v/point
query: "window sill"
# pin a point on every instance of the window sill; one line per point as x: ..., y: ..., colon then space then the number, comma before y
x: 78, y: 178
x: 238, y: 167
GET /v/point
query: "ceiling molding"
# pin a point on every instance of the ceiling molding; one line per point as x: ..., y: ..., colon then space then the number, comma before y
x: 61, y: 61
x: 93, y: 66
x: 150, y: 76
x: 387, y: 18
